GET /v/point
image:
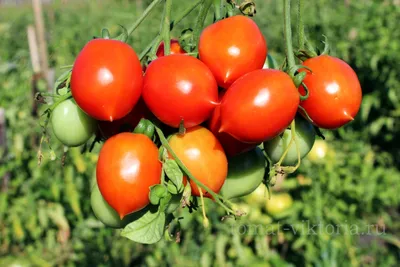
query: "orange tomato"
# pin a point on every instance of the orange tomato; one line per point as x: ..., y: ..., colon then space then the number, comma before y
x: 203, y: 155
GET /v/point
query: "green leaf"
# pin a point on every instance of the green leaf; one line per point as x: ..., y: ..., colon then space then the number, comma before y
x: 63, y: 78
x: 172, y: 188
x: 187, y: 193
x: 157, y: 192
x: 148, y: 229
x: 174, y: 173
x: 164, y: 202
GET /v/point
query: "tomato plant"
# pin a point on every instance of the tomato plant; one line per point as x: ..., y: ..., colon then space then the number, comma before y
x: 259, y: 106
x: 71, y: 125
x: 127, y: 166
x: 178, y: 88
x: 135, y: 177
x: 305, y: 137
x: 231, y: 48
x: 334, y: 92
x: 203, y: 155
x: 245, y: 173
x: 106, y: 80
x: 175, y: 48
x: 231, y: 145
x: 278, y: 203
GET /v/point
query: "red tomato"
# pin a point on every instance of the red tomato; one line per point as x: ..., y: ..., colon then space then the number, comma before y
x: 334, y: 92
x: 204, y: 156
x: 127, y: 123
x: 180, y: 87
x: 106, y: 79
x: 231, y: 48
x: 127, y: 166
x: 231, y: 145
x: 259, y: 106
x: 175, y: 48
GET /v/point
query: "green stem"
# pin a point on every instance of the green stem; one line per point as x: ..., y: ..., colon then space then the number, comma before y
x: 200, y: 21
x: 288, y: 35
x: 300, y: 23
x: 60, y: 99
x: 215, y: 196
x: 166, y: 27
x: 146, y: 12
x: 157, y: 40
x: 217, y: 9
x: 293, y: 139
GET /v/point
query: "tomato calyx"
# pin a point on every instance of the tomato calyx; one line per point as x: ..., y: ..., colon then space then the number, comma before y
x: 310, y: 51
x: 145, y: 127
x: 123, y: 37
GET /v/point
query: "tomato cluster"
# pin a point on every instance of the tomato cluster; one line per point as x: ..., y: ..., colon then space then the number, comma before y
x: 231, y: 113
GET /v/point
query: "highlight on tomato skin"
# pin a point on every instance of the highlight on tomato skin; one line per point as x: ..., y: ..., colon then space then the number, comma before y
x: 335, y: 93
x: 175, y: 48
x: 106, y: 79
x: 259, y: 106
x: 180, y: 88
x: 128, y: 165
x: 201, y: 152
x: 231, y: 48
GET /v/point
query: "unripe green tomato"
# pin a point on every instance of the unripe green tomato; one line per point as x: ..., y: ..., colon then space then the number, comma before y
x: 245, y: 173
x: 258, y: 196
x: 104, y: 212
x: 305, y: 137
x: 278, y: 203
x: 71, y: 125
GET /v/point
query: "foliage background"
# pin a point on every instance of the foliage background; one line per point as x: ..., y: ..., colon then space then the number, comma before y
x: 45, y: 214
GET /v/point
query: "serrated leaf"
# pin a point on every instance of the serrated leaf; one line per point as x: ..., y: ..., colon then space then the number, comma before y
x: 148, y: 229
x: 174, y: 173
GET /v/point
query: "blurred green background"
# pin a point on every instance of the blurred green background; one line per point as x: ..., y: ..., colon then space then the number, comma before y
x: 45, y: 213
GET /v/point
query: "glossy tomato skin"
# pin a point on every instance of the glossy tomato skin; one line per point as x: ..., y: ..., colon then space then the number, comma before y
x: 175, y: 48
x: 305, y: 136
x: 231, y: 145
x: 231, y: 48
x: 127, y: 123
x: 71, y: 125
x: 104, y: 212
x: 245, y: 173
x: 180, y: 87
x: 334, y: 92
x: 259, y: 106
x: 203, y: 155
x: 106, y: 79
x: 127, y: 166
